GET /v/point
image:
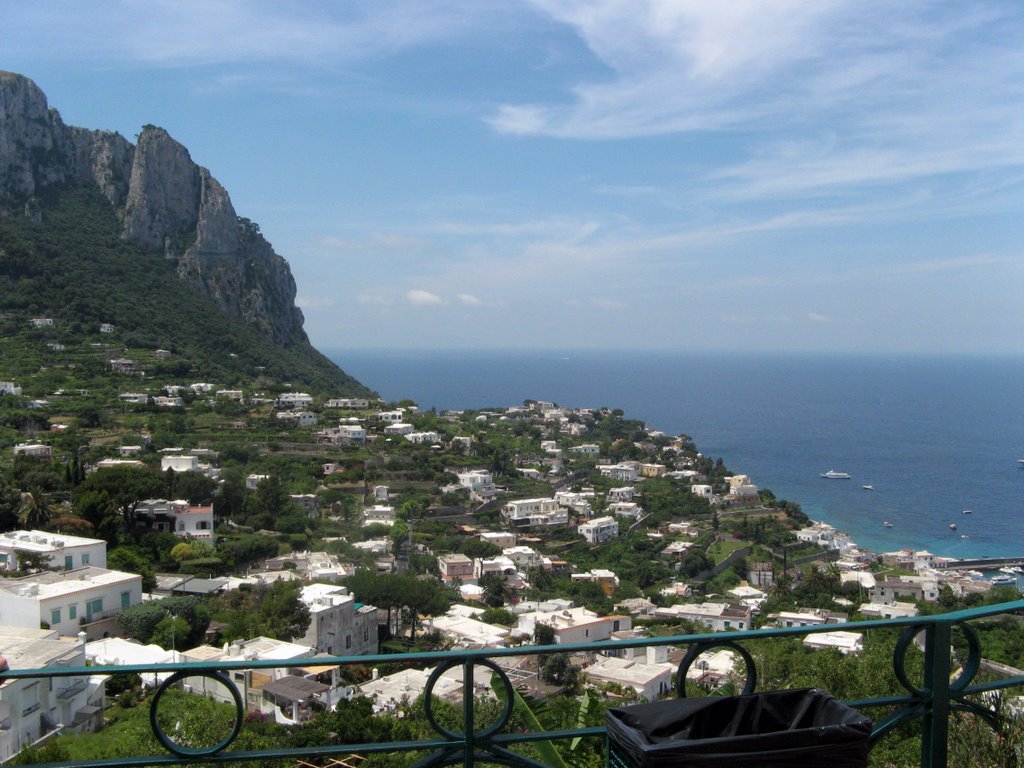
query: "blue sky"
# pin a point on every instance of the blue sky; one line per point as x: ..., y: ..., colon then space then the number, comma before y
x: 843, y: 175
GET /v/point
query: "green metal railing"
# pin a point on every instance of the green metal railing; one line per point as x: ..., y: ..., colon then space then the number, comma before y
x: 930, y: 701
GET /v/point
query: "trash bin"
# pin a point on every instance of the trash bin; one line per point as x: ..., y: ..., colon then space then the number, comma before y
x: 789, y: 729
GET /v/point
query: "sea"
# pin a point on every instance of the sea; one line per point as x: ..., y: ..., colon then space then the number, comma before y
x: 937, y: 438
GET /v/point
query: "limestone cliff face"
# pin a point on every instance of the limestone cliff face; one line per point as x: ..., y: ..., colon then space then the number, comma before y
x: 164, y: 199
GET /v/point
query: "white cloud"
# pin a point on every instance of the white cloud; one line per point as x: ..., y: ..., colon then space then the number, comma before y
x: 469, y: 300
x: 817, y: 317
x: 315, y: 302
x: 423, y: 298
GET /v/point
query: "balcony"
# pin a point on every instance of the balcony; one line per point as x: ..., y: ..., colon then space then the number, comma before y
x: 936, y: 661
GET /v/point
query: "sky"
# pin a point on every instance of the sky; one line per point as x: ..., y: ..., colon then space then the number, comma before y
x: 751, y: 175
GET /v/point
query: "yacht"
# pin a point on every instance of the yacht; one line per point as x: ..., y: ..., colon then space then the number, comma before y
x: 833, y: 475
x: 966, y: 511
x: 868, y: 487
x: 952, y: 526
x: 887, y: 524
x: 1003, y: 580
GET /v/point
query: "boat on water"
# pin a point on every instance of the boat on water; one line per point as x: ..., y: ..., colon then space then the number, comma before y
x: 966, y: 511
x: 887, y: 524
x: 1021, y: 462
x: 833, y: 475
x: 964, y: 536
x: 1011, y: 569
x: 868, y: 487
x: 1003, y: 580
x: 952, y: 526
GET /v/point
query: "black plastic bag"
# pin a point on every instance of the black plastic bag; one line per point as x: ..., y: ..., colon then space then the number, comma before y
x: 789, y: 729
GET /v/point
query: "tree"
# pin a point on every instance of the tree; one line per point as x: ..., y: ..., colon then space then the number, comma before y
x: 133, y: 560
x: 35, y: 510
x: 125, y: 488
x: 495, y: 588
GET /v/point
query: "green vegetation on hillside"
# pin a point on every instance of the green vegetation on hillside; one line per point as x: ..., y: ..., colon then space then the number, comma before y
x: 74, y: 267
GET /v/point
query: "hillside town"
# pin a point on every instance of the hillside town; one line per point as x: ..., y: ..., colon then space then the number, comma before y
x: 156, y: 523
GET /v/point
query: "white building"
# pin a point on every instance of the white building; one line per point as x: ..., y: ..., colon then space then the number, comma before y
x: 599, y: 529
x: 459, y: 625
x: 348, y: 403
x: 650, y: 679
x: 179, y: 463
x: 628, y: 509
x: 30, y: 708
x: 379, y: 513
x: 399, y: 428
x: 294, y: 400
x: 535, y: 512
x: 844, y: 642
x: 196, y: 522
x: 84, y: 599
x: 34, y: 451
x: 526, y: 557
x: 587, y: 449
x: 621, y: 473
x: 719, y: 617
x: 298, y: 418
x: 338, y: 625
x: 60, y: 550
x: 475, y: 479
x: 574, y: 625
x: 419, y: 438
x: 9, y: 388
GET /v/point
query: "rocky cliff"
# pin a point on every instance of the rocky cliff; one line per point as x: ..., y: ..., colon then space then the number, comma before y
x: 163, y: 199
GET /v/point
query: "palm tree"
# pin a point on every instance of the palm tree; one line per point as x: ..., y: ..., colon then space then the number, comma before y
x: 35, y: 510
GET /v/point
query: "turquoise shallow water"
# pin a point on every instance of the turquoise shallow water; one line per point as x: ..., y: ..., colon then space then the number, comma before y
x: 933, y: 435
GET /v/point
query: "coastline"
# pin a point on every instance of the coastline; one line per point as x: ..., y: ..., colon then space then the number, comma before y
x: 930, y: 434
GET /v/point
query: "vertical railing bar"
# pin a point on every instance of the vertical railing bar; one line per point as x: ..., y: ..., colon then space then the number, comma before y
x: 937, y: 669
x: 467, y: 712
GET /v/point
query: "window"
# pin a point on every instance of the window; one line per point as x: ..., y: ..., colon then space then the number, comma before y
x: 348, y: 641
x: 55, y: 616
x: 126, y: 600
x: 72, y: 611
x: 93, y: 606
x: 85, y: 559
x: 69, y: 562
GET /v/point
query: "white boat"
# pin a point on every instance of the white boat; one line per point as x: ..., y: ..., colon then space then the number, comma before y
x: 1021, y: 462
x: 868, y: 487
x: 966, y: 511
x: 833, y: 475
x: 952, y: 526
x: 1003, y: 580
x: 887, y: 524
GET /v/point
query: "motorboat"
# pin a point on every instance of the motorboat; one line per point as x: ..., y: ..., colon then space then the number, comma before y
x: 833, y: 475
x: 952, y: 526
x: 967, y: 512
x: 1003, y: 580
x: 887, y: 524
x: 868, y: 487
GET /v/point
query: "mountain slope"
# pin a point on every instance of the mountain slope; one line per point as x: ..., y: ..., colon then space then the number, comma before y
x: 96, y: 230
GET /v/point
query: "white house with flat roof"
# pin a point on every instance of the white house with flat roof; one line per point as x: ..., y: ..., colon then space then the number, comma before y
x: 574, y: 625
x: 60, y: 550
x: 648, y: 679
x: 29, y: 708
x: 719, y: 617
x: 535, y: 512
x: 844, y: 642
x: 84, y: 599
x: 599, y: 530
x: 338, y: 625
